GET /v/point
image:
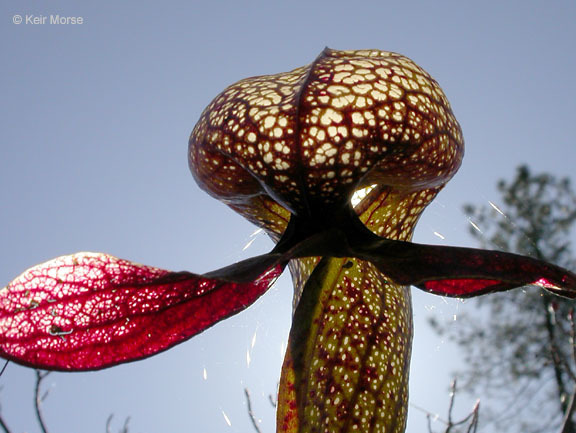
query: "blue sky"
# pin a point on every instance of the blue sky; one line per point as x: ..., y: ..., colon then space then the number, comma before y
x: 95, y: 120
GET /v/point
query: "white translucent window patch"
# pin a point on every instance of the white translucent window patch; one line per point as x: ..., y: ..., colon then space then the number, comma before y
x: 360, y: 194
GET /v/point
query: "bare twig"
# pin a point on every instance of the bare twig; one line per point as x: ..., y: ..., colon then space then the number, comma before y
x: 125, y: 426
x: 272, y: 401
x: 429, y: 422
x: 40, y: 375
x: 566, y: 422
x: 451, y: 405
x: 471, y: 419
x: 572, y: 340
x: 567, y: 425
x: 109, y: 424
x: 473, y: 427
x: 250, y: 412
x: 4, y: 368
x: 4, y: 426
x: 572, y: 333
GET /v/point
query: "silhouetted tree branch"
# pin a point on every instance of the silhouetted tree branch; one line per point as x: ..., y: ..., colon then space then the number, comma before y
x: 250, y: 412
x: 3, y: 425
x: 566, y: 421
x: 468, y: 424
x: 2, y: 422
x: 38, y: 399
x: 566, y: 427
x: 109, y: 424
x: 515, y: 344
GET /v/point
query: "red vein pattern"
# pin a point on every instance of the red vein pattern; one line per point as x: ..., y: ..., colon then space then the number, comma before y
x: 288, y: 152
x: 89, y: 311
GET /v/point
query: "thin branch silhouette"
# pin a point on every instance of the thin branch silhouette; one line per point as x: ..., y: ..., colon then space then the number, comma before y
x: 4, y: 426
x: 109, y: 424
x: 40, y: 376
x: 469, y: 422
x: 250, y: 412
x: 566, y: 424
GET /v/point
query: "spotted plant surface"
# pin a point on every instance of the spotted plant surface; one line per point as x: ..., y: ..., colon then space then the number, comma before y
x: 309, y: 138
x: 336, y: 161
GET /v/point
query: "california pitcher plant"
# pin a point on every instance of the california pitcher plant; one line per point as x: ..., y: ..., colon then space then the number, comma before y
x: 288, y: 152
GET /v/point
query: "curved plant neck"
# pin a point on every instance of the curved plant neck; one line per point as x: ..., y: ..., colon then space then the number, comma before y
x: 338, y: 231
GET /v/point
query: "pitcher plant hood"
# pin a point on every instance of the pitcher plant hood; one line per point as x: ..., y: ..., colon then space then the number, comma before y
x: 336, y: 161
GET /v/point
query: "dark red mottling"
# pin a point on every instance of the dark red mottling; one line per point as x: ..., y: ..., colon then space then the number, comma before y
x: 336, y: 160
